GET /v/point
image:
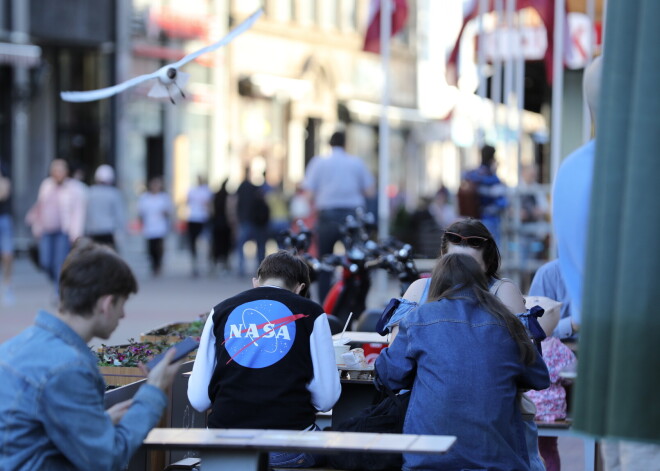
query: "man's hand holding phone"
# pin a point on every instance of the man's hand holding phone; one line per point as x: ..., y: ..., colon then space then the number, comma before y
x: 162, y: 369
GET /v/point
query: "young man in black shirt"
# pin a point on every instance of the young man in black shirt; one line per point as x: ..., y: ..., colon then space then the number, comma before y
x: 266, y: 358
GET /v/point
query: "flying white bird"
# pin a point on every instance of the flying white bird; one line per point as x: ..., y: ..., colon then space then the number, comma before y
x: 167, y: 76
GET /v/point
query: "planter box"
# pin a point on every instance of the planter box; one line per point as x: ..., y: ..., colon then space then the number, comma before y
x: 174, y: 332
x: 164, y: 333
x: 121, y: 375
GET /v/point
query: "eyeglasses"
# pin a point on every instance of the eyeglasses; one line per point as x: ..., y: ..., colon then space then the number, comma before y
x: 472, y: 241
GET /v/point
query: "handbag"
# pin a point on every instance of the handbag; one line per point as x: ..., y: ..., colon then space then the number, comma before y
x: 386, y: 416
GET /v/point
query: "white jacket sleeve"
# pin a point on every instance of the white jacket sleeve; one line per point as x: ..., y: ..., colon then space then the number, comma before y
x: 325, y: 386
x: 203, y: 368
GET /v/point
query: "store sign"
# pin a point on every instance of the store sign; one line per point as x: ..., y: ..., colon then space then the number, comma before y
x: 505, y: 43
x: 177, y: 24
x: 585, y: 40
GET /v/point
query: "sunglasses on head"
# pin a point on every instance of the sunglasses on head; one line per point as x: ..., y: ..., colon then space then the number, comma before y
x: 472, y: 241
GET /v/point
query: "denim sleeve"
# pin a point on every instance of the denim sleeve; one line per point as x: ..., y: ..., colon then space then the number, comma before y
x: 75, y: 420
x: 402, y: 310
x: 535, y: 376
x: 395, y: 366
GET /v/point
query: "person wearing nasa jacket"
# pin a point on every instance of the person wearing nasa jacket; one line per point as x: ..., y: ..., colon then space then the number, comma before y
x: 266, y: 358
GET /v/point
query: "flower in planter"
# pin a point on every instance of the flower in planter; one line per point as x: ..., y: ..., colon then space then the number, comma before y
x: 129, y: 355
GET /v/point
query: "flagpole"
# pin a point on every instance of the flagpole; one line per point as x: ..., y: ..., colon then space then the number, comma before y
x: 496, y: 86
x: 481, y: 61
x: 383, y: 127
x: 586, y: 114
x: 557, y: 88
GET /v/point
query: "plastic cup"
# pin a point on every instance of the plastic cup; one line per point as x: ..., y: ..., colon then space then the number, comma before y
x: 340, y: 349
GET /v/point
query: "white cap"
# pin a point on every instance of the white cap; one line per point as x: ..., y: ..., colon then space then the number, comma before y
x: 105, y: 174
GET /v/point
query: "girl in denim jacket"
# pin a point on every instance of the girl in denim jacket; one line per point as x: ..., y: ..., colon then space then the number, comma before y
x: 469, y: 236
x: 464, y: 355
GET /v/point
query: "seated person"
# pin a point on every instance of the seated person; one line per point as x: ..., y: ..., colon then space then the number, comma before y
x: 465, y: 356
x: 548, y: 282
x: 51, y: 394
x: 266, y: 358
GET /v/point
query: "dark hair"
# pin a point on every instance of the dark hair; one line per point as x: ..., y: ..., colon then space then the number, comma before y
x: 287, y: 267
x: 473, y: 227
x: 456, y: 272
x: 487, y: 155
x: 338, y: 139
x: 90, y: 271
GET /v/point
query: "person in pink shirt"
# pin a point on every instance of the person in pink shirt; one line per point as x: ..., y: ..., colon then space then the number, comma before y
x: 551, y: 402
x: 57, y: 218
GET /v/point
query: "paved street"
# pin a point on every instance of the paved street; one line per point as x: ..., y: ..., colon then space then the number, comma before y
x: 175, y: 296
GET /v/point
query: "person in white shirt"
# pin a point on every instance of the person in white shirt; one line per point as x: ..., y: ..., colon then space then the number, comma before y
x: 199, y: 205
x: 155, y: 211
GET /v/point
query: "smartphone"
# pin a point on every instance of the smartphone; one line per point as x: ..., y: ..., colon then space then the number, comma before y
x: 182, y: 348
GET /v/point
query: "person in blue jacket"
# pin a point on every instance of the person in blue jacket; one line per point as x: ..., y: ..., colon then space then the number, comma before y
x: 465, y: 356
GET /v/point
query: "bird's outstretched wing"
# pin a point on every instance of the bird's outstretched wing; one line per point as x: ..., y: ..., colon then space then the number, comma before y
x: 101, y: 93
x: 227, y: 39
x: 92, y: 95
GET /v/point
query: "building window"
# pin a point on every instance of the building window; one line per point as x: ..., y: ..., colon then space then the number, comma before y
x: 307, y: 12
x: 348, y: 15
x: 328, y: 18
x: 281, y: 10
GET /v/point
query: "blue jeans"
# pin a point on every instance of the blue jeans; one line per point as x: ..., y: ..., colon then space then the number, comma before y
x: 248, y: 231
x: 532, y: 440
x: 282, y: 459
x: 6, y: 235
x: 53, y: 249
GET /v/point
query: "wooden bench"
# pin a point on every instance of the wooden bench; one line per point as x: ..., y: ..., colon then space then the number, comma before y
x: 245, y: 449
x: 563, y: 428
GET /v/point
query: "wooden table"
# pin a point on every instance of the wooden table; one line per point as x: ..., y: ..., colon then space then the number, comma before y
x: 242, y: 449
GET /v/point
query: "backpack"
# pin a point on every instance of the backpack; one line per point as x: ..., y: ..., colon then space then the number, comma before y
x: 469, y: 204
x: 386, y: 416
x: 260, y: 212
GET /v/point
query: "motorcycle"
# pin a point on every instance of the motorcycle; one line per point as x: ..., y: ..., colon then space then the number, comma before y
x: 362, y: 255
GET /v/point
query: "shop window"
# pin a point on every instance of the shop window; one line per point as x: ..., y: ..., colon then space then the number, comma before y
x: 307, y: 12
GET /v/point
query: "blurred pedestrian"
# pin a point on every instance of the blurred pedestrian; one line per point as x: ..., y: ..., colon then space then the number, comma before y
x: 279, y: 212
x: 534, y: 214
x: 155, y: 211
x: 105, y: 208
x: 491, y: 191
x: 199, y: 210
x: 57, y: 218
x: 253, y: 215
x: 6, y: 238
x: 339, y: 184
x: 442, y: 209
x: 222, y: 233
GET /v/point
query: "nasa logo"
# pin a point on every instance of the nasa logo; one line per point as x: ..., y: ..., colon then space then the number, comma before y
x: 260, y: 333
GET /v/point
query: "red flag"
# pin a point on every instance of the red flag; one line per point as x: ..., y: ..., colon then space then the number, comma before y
x: 399, y: 17
x: 545, y: 9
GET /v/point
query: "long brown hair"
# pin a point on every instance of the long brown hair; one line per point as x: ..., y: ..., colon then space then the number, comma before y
x: 456, y: 272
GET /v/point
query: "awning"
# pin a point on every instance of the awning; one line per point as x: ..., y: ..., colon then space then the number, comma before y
x: 368, y: 112
x: 27, y: 55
